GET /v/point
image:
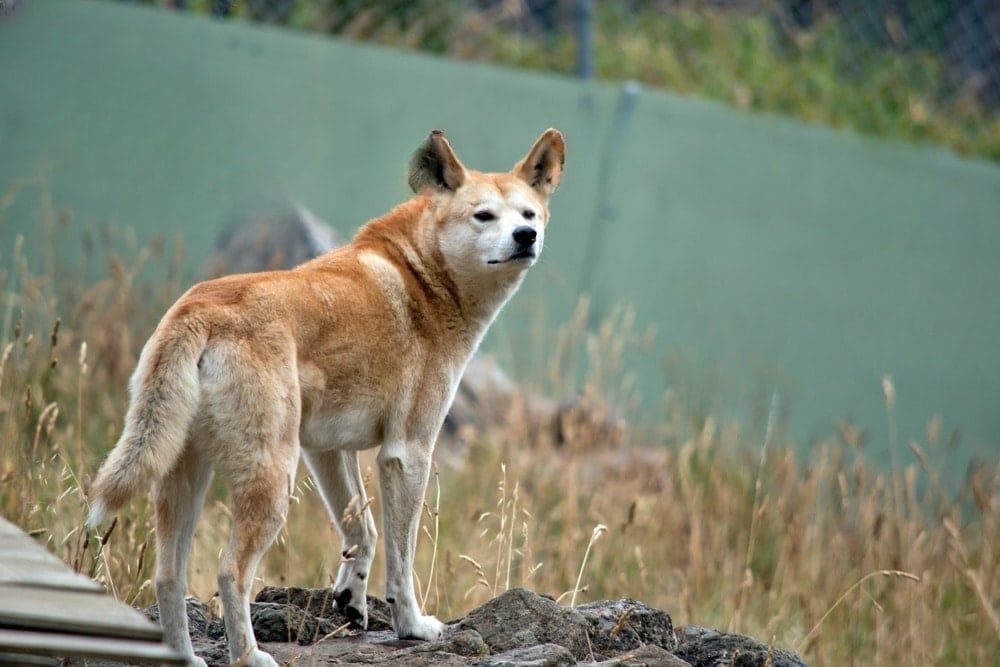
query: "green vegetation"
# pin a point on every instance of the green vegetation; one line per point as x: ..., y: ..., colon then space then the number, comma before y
x: 749, y: 60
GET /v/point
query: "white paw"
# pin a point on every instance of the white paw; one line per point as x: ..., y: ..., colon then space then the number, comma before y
x: 427, y: 628
x: 195, y: 661
x: 261, y: 659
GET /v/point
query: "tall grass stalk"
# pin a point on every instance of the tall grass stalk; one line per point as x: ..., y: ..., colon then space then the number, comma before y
x: 755, y: 508
x: 599, y: 530
x: 880, y: 573
x: 436, y: 518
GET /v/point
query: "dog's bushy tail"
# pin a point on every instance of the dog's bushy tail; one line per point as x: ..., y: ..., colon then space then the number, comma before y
x: 165, y: 394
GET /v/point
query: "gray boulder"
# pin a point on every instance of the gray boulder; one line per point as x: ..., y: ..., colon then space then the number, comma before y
x: 521, y: 619
x: 197, y: 613
x: 623, y: 625
x: 517, y: 628
x: 202, y: 624
x: 274, y: 622
x: 702, y: 647
x: 645, y: 656
x: 383, y: 648
x: 319, y: 602
x: 543, y: 655
x: 468, y: 643
x: 208, y: 633
x: 279, y: 238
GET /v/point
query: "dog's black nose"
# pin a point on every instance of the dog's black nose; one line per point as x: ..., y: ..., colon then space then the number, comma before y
x: 525, y: 235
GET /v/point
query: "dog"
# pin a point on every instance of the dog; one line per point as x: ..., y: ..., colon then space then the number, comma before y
x: 361, y: 347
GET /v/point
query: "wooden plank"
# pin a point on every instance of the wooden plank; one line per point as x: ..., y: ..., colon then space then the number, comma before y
x: 25, y: 571
x: 25, y: 660
x: 58, y: 610
x: 63, y: 645
x: 7, y: 528
x: 24, y: 561
x: 42, y: 601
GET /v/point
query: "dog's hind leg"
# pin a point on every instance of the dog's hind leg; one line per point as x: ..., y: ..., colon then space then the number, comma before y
x: 179, y: 499
x: 403, y: 472
x: 260, y: 504
x: 253, y: 400
x: 338, y: 476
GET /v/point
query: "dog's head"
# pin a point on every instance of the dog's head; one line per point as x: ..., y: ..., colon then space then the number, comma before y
x: 489, y: 224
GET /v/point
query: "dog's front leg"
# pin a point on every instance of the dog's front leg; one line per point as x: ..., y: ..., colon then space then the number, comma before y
x: 338, y: 476
x: 403, y: 473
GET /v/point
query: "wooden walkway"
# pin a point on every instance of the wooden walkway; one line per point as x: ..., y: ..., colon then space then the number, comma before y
x: 48, y: 610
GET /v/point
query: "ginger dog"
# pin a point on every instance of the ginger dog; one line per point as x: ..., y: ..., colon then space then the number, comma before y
x: 362, y: 347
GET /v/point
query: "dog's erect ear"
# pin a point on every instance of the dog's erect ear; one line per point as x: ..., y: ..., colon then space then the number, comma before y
x: 542, y: 167
x: 435, y: 164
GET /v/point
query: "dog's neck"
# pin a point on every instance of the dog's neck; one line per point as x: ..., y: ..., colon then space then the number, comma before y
x: 462, y: 306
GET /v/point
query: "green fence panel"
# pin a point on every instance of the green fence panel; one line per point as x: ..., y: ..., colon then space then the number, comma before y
x: 771, y: 255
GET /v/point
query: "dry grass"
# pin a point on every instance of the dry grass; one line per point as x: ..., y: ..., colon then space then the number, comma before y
x: 821, y: 553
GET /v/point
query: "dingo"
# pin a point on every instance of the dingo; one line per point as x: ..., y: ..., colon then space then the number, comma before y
x: 362, y: 347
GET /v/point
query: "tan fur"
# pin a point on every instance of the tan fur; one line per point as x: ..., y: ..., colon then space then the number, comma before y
x: 360, y: 348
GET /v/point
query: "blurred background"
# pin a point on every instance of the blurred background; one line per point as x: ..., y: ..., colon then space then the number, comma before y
x: 779, y: 227
x: 799, y: 196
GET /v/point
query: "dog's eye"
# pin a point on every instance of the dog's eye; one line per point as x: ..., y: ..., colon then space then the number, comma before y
x: 484, y: 216
x: 528, y: 214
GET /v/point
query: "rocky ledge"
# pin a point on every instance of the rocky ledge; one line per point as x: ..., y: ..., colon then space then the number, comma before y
x: 301, y: 626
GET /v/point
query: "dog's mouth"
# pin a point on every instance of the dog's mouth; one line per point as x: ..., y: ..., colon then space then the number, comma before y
x: 517, y: 256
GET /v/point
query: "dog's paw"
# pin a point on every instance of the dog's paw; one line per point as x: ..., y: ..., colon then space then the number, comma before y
x: 427, y: 628
x: 261, y: 659
x: 355, y: 608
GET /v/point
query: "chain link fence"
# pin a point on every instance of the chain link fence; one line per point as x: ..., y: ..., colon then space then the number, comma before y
x: 919, y: 69
x: 963, y: 34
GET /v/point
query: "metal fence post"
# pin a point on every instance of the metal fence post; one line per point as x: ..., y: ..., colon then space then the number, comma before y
x: 604, y: 212
x: 584, y: 38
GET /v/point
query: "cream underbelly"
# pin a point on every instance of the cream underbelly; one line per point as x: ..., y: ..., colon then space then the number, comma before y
x: 365, y: 415
x: 348, y: 428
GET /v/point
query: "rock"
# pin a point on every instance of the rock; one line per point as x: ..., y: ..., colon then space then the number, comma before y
x: 319, y: 602
x: 316, y: 601
x: 279, y: 238
x: 208, y: 633
x: 484, y: 397
x: 201, y: 623
x: 212, y: 652
x: 543, y: 655
x: 519, y: 628
x: 383, y: 648
x: 197, y: 613
x: 521, y: 619
x: 274, y: 622
x: 464, y: 642
x: 456, y: 644
x: 646, y: 656
x: 702, y: 647
x: 625, y: 624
